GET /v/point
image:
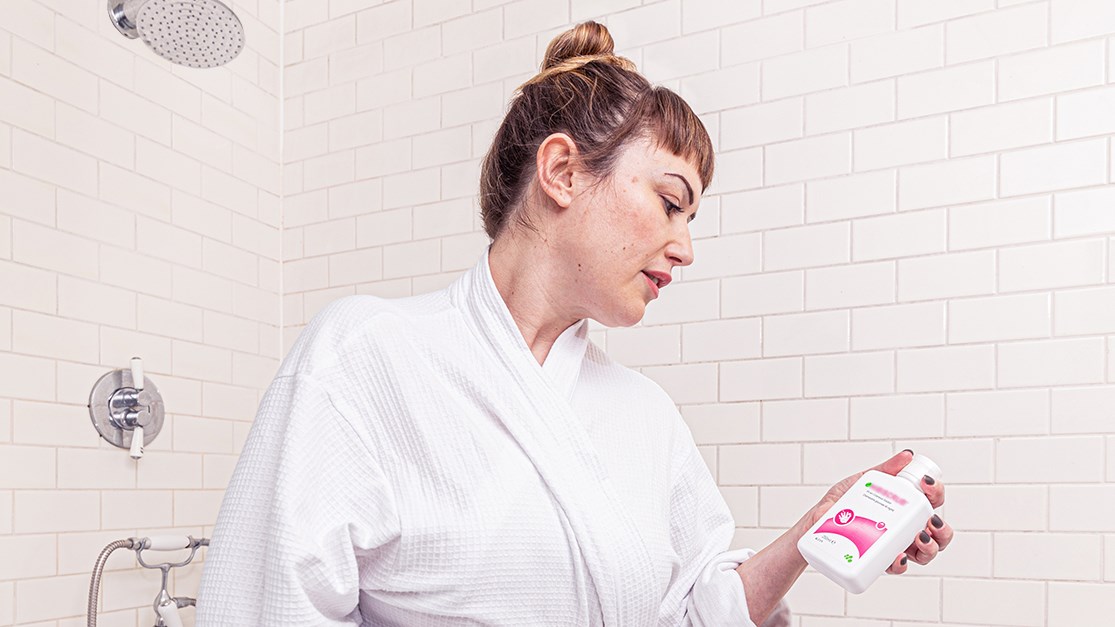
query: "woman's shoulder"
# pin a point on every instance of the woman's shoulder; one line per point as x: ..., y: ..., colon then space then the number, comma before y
x: 337, y: 327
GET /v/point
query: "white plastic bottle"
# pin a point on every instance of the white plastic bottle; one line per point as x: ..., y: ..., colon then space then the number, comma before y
x: 875, y: 521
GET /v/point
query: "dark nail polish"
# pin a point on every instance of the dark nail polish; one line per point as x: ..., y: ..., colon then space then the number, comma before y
x: 924, y: 537
x: 903, y: 562
x: 909, y: 450
x: 936, y: 521
x: 929, y: 480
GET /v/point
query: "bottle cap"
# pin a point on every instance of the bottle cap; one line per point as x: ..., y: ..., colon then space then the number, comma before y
x: 919, y: 467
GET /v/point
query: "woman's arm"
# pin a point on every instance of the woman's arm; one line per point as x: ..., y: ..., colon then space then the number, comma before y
x: 768, y: 575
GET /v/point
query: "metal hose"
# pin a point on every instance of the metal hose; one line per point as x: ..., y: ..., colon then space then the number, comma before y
x: 95, y: 583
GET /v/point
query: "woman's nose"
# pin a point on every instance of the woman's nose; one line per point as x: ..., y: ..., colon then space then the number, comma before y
x: 680, y: 249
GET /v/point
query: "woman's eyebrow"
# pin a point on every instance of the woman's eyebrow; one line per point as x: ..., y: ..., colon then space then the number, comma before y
x: 687, y: 187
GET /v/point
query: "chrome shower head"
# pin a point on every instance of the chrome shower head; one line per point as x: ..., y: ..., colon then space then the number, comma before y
x: 194, y: 33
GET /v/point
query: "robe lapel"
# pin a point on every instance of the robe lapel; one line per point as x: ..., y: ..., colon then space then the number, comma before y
x: 539, y: 416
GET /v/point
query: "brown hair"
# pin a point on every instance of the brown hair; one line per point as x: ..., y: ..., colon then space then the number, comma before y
x: 601, y: 102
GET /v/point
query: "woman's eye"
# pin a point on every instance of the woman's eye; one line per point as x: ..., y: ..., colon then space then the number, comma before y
x: 670, y: 207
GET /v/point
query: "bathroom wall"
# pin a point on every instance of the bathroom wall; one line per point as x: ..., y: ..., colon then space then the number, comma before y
x: 139, y: 215
x: 908, y: 244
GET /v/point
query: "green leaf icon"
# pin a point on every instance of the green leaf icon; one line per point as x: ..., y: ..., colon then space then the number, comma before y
x: 867, y: 485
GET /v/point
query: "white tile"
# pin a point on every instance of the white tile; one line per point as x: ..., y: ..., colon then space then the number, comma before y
x: 1083, y: 312
x: 27, y: 467
x: 829, y: 462
x: 645, y: 346
x: 805, y: 246
x: 763, y: 38
x: 1059, y: 166
x: 850, y: 286
x: 1083, y: 410
x: 382, y: 21
x: 851, y: 196
x: 164, y: 317
x: 950, y: 182
x: 1063, y: 460
x: 902, y: 235
x: 473, y: 31
x: 1051, y: 363
x: 760, y: 464
x: 804, y: 334
x: 837, y: 22
x: 507, y: 59
x: 471, y: 105
x: 685, y: 302
x: 997, y: 33
x: 54, y: 163
x: 999, y: 223
x: 918, y: 12
x: 531, y: 16
x: 849, y: 107
x: 950, y: 89
x: 903, y: 52
x: 762, y: 379
x: 761, y: 124
x: 950, y: 368
x: 1086, y: 113
x: 815, y: 157
x: 1083, y: 212
x: 999, y: 602
x: 921, y: 324
x: 1055, y: 69
x: 805, y: 72
x: 1067, y: 503
x: 38, y: 246
x: 699, y: 15
x: 1043, y: 266
x: 720, y: 340
x: 900, y: 416
x: 688, y: 383
x: 739, y: 169
x: 705, y: 92
x: 762, y: 209
x: 967, y: 461
x: 329, y: 170
x: 724, y: 256
x: 1001, y: 127
x: 850, y: 374
x: 999, y: 318
x: 649, y: 24
x: 900, y: 144
x: 49, y: 511
x: 1077, y: 603
x: 910, y: 598
x: 1078, y: 19
x: 998, y: 508
x: 763, y: 294
x: 946, y: 276
x: 805, y: 420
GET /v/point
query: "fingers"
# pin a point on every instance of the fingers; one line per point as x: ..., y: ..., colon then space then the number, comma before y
x: 934, y: 491
x: 895, y: 464
x: 941, y: 531
x: 926, y: 547
x: 899, y: 565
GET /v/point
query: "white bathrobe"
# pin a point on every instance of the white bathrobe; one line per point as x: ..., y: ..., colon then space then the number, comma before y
x: 412, y: 464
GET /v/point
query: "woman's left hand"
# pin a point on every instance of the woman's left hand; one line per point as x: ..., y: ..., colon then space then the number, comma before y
x: 934, y: 538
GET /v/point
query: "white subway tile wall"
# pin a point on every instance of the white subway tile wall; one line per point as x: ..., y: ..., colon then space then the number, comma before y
x: 908, y: 243
x: 139, y: 215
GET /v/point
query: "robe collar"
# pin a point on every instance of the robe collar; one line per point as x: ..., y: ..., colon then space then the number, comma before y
x: 476, y: 292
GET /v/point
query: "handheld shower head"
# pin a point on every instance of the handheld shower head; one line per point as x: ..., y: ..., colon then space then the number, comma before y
x: 194, y: 33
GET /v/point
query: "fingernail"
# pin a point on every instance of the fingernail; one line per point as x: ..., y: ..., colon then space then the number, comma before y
x: 907, y: 450
x: 937, y: 522
x: 929, y: 480
x: 903, y: 562
x: 924, y: 537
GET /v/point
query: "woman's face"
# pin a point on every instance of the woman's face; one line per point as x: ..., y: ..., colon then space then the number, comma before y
x: 632, y: 224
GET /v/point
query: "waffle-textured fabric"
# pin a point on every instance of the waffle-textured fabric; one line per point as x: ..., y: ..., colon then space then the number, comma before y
x: 412, y: 464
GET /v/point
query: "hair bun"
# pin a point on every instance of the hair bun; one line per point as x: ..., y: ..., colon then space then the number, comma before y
x: 585, y: 39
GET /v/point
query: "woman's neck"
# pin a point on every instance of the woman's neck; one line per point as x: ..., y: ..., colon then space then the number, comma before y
x: 526, y: 276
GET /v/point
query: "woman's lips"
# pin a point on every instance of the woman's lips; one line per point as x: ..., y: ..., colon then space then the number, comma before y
x: 650, y: 282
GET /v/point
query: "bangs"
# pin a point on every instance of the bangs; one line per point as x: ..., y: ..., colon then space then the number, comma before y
x: 676, y: 128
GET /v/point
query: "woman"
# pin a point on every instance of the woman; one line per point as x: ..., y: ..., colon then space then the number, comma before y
x: 467, y: 456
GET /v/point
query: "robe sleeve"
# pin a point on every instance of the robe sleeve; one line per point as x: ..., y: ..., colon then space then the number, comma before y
x: 707, y: 591
x: 308, y: 516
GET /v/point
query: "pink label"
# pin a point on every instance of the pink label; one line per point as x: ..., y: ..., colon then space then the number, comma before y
x: 863, y: 532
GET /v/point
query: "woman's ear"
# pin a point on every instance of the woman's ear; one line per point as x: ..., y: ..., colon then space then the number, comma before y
x: 555, y: 164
